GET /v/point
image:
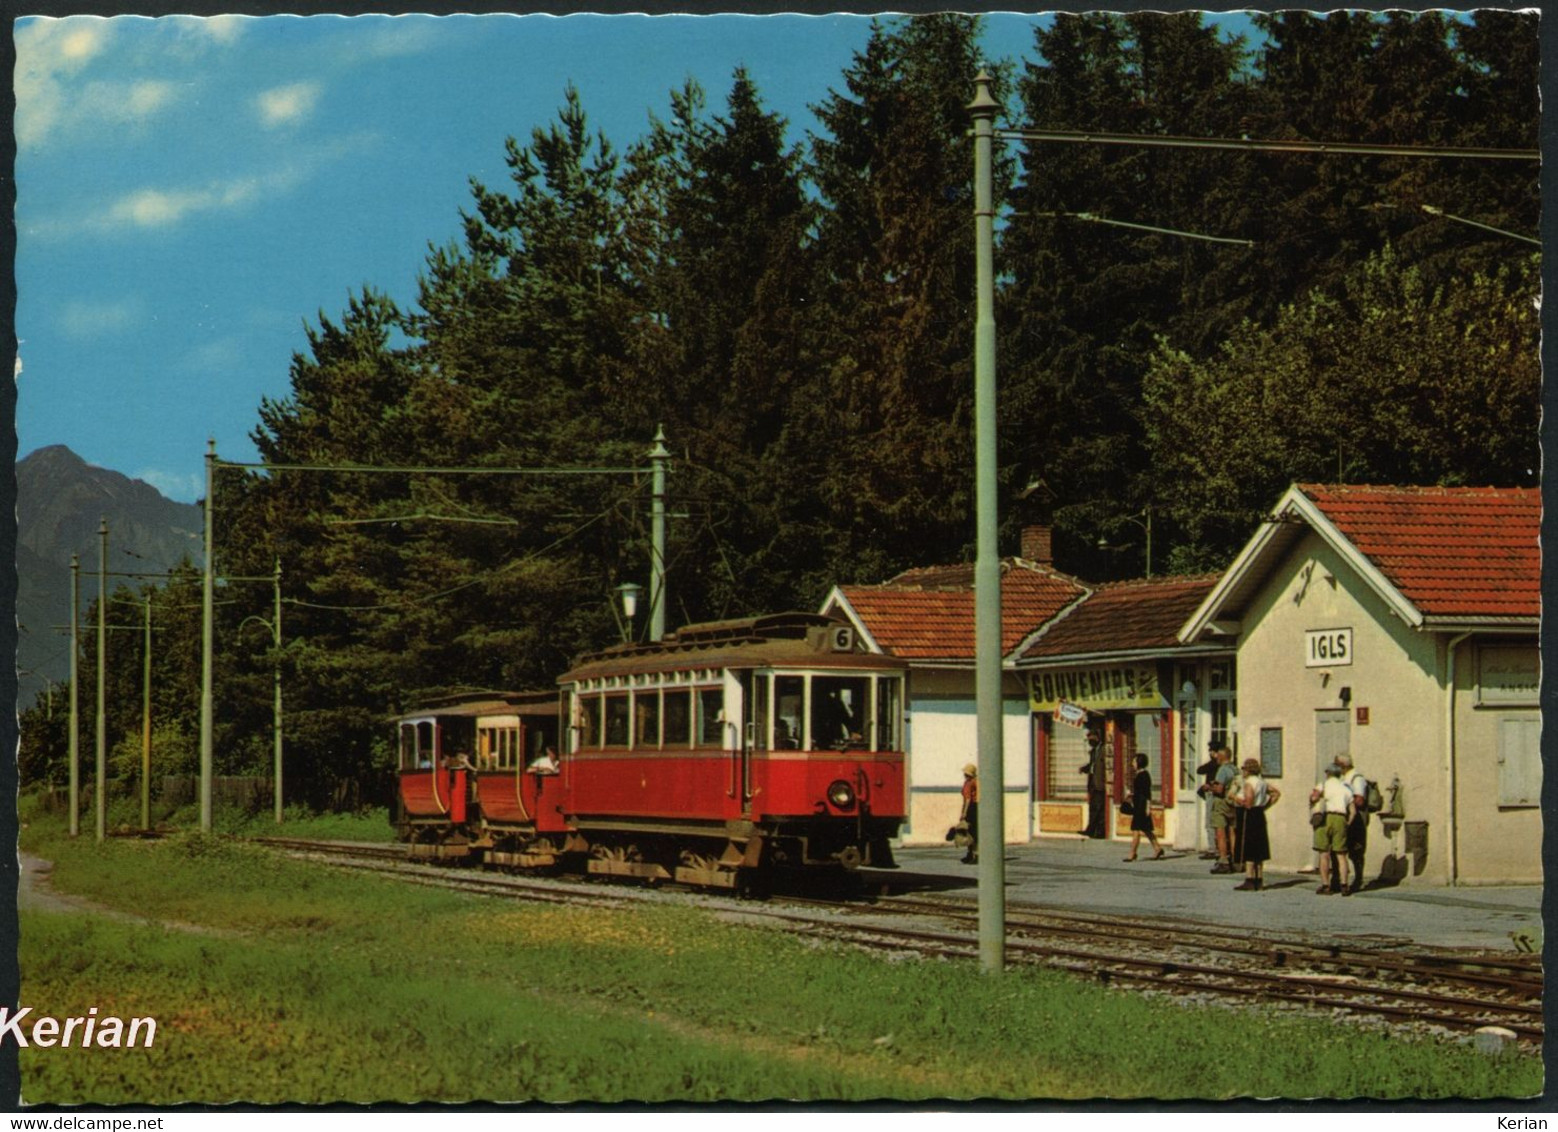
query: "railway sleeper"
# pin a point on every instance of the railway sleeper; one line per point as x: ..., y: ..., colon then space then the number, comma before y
x: 440, y: 850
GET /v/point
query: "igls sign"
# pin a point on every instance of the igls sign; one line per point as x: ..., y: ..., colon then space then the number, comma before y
x: 1327, y: 648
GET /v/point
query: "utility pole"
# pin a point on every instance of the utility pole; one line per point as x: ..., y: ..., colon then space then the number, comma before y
x: 276, y: 685
x: 658, y: 456
x: 146, y: 720
x: 987, y: 564
x: 102, y: 687
x: 75, y: 706
x: 207, y: 633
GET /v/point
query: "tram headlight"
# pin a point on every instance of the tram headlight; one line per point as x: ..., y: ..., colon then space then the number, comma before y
x: 841, y: 795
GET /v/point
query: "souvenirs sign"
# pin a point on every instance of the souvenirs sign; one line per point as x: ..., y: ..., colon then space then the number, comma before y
x: 1109, y: 687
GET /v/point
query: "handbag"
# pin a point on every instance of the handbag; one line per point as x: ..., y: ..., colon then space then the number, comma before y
x: 1316, y: 819
x: 1127, y: 809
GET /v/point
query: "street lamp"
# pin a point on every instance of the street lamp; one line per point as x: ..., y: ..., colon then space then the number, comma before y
x: 629, y: 593
x: 1142, y: 519
x: 274, y: 625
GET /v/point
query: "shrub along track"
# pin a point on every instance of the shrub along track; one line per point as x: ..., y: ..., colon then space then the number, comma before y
x: 1372, y: 978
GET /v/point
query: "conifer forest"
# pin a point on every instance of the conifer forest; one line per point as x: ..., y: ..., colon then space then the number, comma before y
x: 796, y: 311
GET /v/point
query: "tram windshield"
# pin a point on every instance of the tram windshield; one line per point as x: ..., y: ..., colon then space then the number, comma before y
x: 828, y: 712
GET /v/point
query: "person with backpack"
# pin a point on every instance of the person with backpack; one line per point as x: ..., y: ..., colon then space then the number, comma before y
x: 1358, y: 827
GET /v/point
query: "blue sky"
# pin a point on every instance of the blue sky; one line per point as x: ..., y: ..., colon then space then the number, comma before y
x: 191, y: 191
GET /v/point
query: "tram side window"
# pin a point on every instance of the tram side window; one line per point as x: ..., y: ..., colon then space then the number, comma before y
x: 425, y: 744
x: 711, y: 703
x: 789, y: 711
x: 646, y: 719
x: 677, y: 721
x: 588, y: 721
x: 617, y: 720
x: 507, y: 747
x: 889, y: 713
x: 408, y: 746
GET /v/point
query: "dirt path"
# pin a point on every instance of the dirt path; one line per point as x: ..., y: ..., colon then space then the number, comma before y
x: 34, y: 893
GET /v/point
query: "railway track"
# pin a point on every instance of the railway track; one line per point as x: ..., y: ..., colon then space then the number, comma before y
x: 1378, y: 978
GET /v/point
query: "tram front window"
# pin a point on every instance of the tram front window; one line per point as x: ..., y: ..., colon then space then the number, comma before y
x: 838, y: 711
x: 789, y: 711
x: 889, y: 715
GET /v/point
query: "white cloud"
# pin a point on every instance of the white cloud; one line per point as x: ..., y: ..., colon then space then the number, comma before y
x: 159, y: 208
x: 54, y: 95
x: 284, y: 105
x: 83, y: 319
x: 156, y: 208
x: 215, y: 355
x: 182, y: 488
x: 49, y: 52
x: 223, y: 30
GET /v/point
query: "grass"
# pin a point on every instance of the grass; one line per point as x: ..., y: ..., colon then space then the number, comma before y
x: 290, y: 982
x: 123, y: 814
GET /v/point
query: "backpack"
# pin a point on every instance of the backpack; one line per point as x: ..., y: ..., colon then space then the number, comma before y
x: 1373, y: 800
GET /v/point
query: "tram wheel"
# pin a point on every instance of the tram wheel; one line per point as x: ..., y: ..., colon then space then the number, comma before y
x: 753, y: 884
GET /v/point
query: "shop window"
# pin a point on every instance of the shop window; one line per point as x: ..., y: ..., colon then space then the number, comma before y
x: 1519, y: 761
x: 1067, y: 751
x: 1147, y: 737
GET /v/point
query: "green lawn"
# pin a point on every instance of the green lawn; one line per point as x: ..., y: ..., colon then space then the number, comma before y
x: 291, y: 982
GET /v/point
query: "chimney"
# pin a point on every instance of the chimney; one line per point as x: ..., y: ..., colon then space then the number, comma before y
x: 1036, y: 545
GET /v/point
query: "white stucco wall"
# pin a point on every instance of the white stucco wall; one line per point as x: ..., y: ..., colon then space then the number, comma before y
x: 943, y: 737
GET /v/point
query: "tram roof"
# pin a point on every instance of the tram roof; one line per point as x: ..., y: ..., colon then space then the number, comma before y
x: 476, y: 704
x: 791, y: 639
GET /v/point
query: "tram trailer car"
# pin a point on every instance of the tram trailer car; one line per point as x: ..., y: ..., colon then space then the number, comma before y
x: 475, y: 772
x: 732, y: 748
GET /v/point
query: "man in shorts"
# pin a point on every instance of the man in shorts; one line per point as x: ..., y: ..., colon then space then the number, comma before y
x: 1331, y: 837
x: 1358, y: 826
x: 1222, y: 808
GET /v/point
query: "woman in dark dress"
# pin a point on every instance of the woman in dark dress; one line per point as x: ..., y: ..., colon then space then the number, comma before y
x: 1141, y: 811
x: 1255, y: 798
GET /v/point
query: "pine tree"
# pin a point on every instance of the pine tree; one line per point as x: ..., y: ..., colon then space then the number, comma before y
x: 891, y: 428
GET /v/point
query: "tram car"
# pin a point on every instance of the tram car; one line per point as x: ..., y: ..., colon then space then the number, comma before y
x: 733, y: 748
x: 475, y: 771
x: 714, y: 757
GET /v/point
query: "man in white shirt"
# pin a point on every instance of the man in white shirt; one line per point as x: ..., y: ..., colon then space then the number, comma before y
x: 1358, y: 826
x: 1331, y: 837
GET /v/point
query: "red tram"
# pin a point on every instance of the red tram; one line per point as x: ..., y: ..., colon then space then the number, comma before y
x: 475, y: 771
x: 721, y: 752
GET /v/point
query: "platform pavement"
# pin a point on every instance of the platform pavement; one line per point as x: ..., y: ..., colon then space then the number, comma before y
x: 1084, y: 875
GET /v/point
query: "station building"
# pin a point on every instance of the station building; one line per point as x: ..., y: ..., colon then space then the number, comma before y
x: 926, y: 616
x: 1397, y: 624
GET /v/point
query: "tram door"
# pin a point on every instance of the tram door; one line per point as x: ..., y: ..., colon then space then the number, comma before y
x: 754, y: 733
x: 1333, y: 736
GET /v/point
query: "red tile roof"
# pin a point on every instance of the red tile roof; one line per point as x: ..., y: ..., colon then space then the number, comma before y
x: 1451, y: 551
x: 1125, y: 616
x: 928, y: 614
